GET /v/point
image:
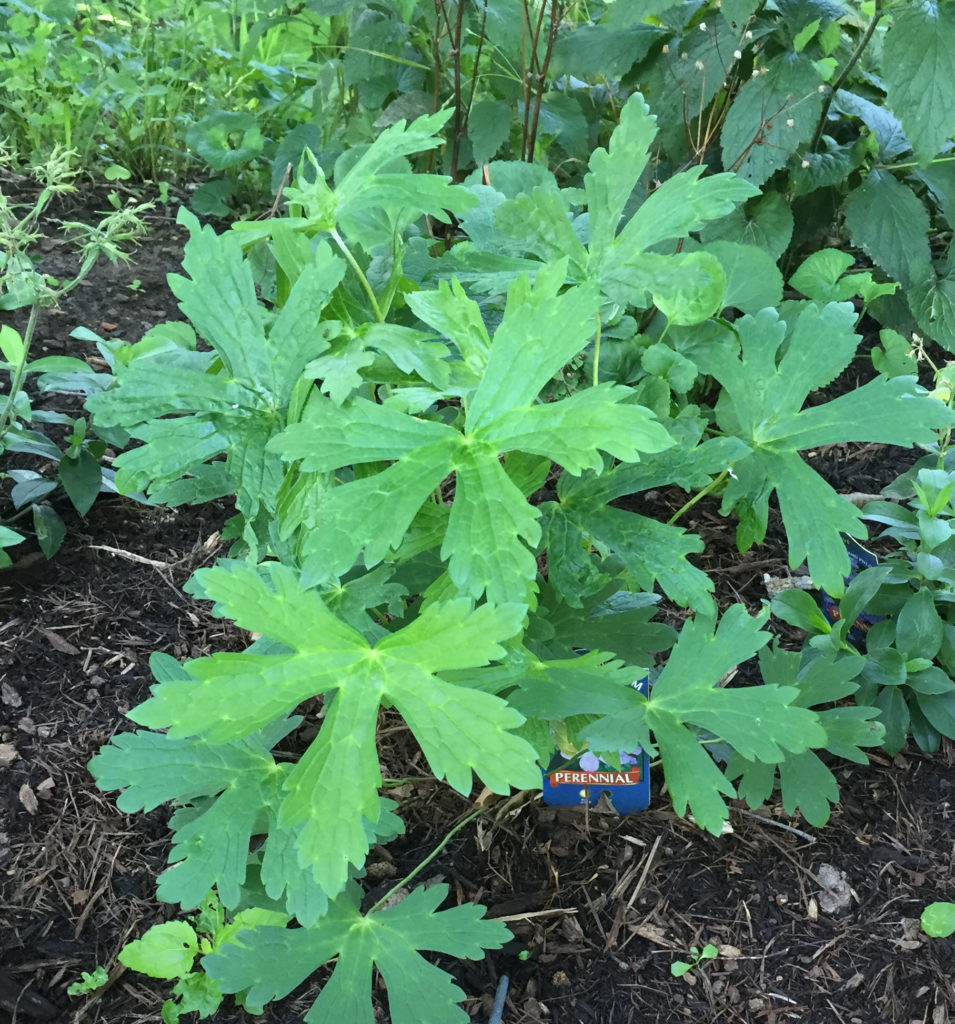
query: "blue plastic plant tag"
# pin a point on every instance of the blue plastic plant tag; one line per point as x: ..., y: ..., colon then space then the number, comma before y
x: 859, y: 558
x: 584, y: 778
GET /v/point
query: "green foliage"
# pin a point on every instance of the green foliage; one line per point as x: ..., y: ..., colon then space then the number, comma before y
x: 762, y: 402
x: 804, y: 780
x: 59, y: 438
x: 907, y: 671
x: 169, y: 951
x: 680, y: 967
x: 90, y: 982
x: 270, y: 962
x: 438, y: 404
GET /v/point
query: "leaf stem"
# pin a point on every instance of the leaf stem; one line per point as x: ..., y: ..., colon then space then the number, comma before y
x: 597, y: 352
x: 434, y: 853
x: 850, y: 64
x: 709, y: 488
x: 6, y: 419
x: 913, y: 163
x: 353, y: 263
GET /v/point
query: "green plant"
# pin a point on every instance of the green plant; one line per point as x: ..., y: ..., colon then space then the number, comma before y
x: 938, y: 920
x: 698, y: 957
x: 424, y: 525
x: 90, y: 982
x: 77, y: 457
x: 169, y: 950
x: 907, y: 669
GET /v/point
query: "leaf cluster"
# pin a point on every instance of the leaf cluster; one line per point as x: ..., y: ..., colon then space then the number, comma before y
x: 437, y: 519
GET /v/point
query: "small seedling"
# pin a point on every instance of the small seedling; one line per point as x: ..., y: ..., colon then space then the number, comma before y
x: 680, y: 967
x: 90, y: 982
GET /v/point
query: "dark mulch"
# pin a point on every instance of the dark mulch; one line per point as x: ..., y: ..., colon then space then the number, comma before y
x: 813, y: 925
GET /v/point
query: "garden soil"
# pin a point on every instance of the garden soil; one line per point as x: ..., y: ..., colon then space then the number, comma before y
x: 818, y: 926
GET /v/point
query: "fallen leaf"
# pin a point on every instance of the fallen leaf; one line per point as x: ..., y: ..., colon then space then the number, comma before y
x: 28, y: 799
x: 837, y: 894
x: 652, y: 933
x: 9, y: 696
x: 58, y: 643
x: 8, y: 753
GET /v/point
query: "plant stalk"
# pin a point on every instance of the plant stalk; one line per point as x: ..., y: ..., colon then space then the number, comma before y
x: 708, y: 489
x: 850, y: 64
x: 353, y: 263
x: 9, y: 409
x: 434, y: 853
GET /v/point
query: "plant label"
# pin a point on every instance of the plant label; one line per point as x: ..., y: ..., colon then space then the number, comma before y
x: 584, y: 778
x: 859, y: 558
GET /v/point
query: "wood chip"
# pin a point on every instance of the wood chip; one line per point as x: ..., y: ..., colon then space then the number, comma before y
x: 58, y: 643
x: 45, y: 789
x: 28, y: 799
x: 8, y: 753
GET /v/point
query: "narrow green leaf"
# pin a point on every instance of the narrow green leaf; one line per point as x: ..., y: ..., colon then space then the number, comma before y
x: 49, y: 528
x: 918, y: 629
x: 681, y: 205
x: 801, y: 610
x: 82, y: 479
x: 615, y: 171
x: 489, y: 525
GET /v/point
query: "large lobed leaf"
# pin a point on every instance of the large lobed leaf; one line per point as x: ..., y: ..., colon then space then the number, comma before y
x: 331, y: 795
x: 492, y: 529
x: 267, y: 963
x: 761, y: 403
x: 805, y: 781
x: 760, y: 722
x: 236, y: 409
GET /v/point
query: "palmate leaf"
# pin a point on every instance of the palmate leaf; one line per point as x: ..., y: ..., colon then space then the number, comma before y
x: 759, y: 722
x: 231, y: 786
x: 239, y: 408
x: 332, y: 793
x: 650, y: 551
x: 761, y: 404
x: 492, y: 529
x: 267, y: 963
x: 805, y: 782
x: 376, y: 196
x: 687, y: 286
